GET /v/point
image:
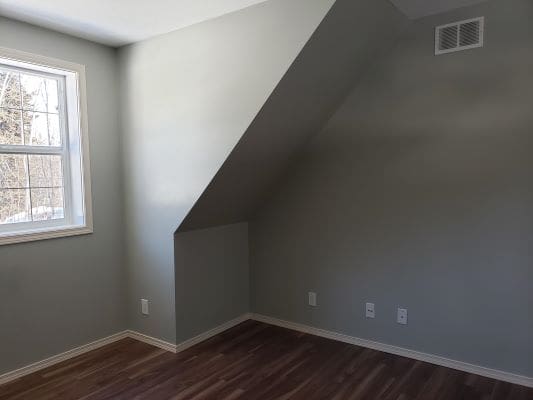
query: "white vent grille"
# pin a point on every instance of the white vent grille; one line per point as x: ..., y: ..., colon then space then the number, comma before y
x: 459, y: 36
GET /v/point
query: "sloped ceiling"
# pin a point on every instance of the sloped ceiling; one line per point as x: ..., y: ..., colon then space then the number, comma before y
x: 351, y: 35
x: 421, y: 8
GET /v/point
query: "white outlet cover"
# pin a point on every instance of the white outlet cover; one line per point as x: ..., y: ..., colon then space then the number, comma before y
x: 312, y: 299
x: 402, y: 316
x: 370, y: 310
x: 144, y: 307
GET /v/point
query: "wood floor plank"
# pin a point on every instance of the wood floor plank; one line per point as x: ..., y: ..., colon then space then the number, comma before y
x: 253, y: 361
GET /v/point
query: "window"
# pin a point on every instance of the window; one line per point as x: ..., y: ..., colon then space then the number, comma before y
x: 44, y: 168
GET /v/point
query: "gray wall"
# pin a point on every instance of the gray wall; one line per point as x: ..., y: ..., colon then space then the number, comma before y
x: 314, y: 86
x: 61, y: 293
x: 212, y: 278
x: 187, y: 98
x: 418, y: 193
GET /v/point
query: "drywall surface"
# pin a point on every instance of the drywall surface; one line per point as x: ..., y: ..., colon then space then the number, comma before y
x: 314, y: 86
x: 187, y: 98
x: 417, y: 194
x: 61, y: 293
x: 212, y: 278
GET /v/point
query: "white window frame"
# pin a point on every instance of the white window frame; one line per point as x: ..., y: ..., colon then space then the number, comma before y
x: 74, y: 150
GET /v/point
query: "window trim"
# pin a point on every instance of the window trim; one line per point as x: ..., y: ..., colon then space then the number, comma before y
x: 46, y: 64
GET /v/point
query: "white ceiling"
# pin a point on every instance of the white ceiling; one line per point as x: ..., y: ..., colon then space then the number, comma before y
x: 118, y: 22
x: 422, y: 8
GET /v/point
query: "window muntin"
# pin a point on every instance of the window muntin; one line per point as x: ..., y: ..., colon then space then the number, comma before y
x: 43, y: 171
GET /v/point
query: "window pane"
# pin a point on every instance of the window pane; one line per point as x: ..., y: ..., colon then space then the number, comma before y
x: 36, y: 129
x: 13, y: 171
x: 10, y: 126
x: 9, y: 89
x: 41, y: 129
x: 45, y: 171
x: 53, y: 130
x: 14, y: 206
x: 47, y: 204
x: 39, y: 93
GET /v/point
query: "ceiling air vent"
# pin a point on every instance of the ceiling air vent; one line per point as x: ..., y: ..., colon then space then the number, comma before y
x: 459, y: 36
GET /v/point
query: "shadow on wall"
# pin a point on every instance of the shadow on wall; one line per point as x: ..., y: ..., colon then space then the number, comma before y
x: 317, y: 82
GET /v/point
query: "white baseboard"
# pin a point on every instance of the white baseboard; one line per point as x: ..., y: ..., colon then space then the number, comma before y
x: 213, y: 332
x: 141, y: 337
x: 437, y: 360
x: 176, y: 348
x: 39, y: 365
x: 386, y: 348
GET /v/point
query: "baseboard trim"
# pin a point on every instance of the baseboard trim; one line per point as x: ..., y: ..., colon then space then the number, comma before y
x: 213, y: 332
x: 39, y: 365
x: 430, y: 358
x: 48, y: 362
x: 400, y: 351
x: 141, y: 337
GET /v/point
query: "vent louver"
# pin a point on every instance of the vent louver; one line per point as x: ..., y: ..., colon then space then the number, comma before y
x: 459, y: 36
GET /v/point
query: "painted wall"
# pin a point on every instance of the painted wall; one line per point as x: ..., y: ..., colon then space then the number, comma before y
x: 187, y: 98
x: 418, y: 193
x: 212, y: 278
x: 61, y: 293
x: 315, y: 85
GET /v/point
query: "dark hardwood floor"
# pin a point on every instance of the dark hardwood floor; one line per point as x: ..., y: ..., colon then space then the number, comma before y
x: 253, y: 361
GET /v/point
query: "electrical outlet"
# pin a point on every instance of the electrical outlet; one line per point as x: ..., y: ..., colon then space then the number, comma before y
x: 370, y: 310
x: 312, y: 299
x: 144, y: 307
x: 402, y: 316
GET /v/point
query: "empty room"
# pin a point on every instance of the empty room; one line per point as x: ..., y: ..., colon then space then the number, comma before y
x: 266, y: 200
